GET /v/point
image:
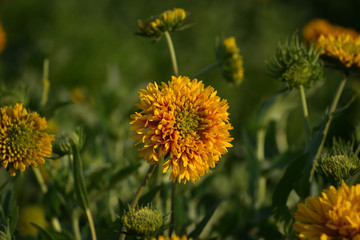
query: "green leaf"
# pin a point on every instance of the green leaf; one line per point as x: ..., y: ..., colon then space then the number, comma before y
x: 209, y: 213
x: 44, y: 235
x: 148, y: 197
x: 79, y: 183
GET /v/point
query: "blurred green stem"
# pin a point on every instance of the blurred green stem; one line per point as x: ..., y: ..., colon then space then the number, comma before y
x: 206, y: 69
x: 54, y: 220
x: 140, y: 190
x: 305, y: 114
x: 260, y: 155
x: 46, y: 84
x: 91, y: 223
x: 172, y: 211
x: 280, y: 137
x: 172, y: 53
x: 75, y: 225
x: 327, y: 126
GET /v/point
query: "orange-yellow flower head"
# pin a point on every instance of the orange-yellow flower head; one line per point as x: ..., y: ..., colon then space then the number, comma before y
x: 344, y: 48
x: 173, y: 237
x: 2, y: 39
x: 184, y: 120
x: 23, y: 140
x: 169, y: 21
x: 317, y: 27
x: 333, y: 215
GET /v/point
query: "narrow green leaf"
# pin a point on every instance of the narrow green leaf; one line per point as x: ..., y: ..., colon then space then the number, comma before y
x: 44, y: 235
x: 79, y: 183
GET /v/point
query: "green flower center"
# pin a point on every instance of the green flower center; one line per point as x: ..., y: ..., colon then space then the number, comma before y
x: 19, y: 141
x: 187, y: 122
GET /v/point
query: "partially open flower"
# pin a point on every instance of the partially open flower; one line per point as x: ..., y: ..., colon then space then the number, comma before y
x: 169, y: 21
x: 231, y: 60
x: 23, y: 139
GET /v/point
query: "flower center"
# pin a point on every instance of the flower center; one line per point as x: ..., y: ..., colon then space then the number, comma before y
x: 19, y: 141
x: 187, y: 122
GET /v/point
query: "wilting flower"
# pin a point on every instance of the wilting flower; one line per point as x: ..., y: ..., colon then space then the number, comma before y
x: 23, y: 140
x: 231, y: 60
x: 333, y: 215
x: 2, y: 38
x: 185, y: 121
x: 173, y: 237
x: 169, y: 21
x: 317, y: 27
x: 143, y: 222
x: 344, y: 48
x: 296, y: 64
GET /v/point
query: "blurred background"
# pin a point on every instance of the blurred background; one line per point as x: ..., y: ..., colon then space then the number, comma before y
x: 98, y: 64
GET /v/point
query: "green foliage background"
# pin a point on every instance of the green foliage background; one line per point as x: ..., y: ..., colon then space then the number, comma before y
x: 92, y: 45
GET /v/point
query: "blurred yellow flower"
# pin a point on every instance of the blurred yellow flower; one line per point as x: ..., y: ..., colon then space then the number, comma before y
x: 343, y: 47
x: 333, y: 215
x: 186, y: 121
x: 77, y: 95
x: 317, y: 27
x: 2, y: 38
x: 168, y: 21
x: 31, y: 214
x: 173, y: 237
x: 231, y: 60
x: 23, y: 140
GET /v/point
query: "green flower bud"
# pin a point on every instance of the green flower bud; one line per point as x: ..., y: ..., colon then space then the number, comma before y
x: 63, y: 142
x: 340, y: 164
x: 142, y: 222
x: 296, y: 64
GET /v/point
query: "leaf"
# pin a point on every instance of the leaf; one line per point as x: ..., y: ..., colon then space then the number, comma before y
x: 209, y: 213
x: 148, y: 197
x: 44, y: 235
x: 123, y: 174
x: 79, y: 183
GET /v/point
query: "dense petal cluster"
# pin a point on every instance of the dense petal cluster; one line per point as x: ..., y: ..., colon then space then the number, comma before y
x: 333, y: 215
x: 23, y: 139
x: 173, y: 237
x: 231, y: 60
x: 169, y: 21
x: 2, y: 39
x: 343, y: 47
x: 185, y: 121
x: 317, y: 27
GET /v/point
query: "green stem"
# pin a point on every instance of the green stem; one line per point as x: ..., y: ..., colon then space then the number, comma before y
x: 172, y: 53
x: 91, y: 223
x: 260, y: 155
x: 172, y: 212
x: 305, y: 114
x: 75, y: 225
x: 140, y: 190
x: 327, y: 126
x: 54, y: 220
x: 206, y: 69
x: 46, y: 84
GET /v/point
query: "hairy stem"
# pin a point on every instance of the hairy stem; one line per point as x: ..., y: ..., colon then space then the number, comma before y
x: 172, y: 53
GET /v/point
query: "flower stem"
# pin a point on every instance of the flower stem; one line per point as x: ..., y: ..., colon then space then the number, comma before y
x: 91, y: 223
x: 140, y: 190
x: 332, y: 109
x: 305, y: 114
x: 172, y: 211
x: 172, y: 53
x: 260, y: 155
x: 54, y: 220
x: 46, y: 84
x: 206, y: 69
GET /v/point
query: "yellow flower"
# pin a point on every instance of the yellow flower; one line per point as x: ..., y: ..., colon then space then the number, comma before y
x: 169, y: 21
x: 31, y: 214
x: 23, y: 140
x: 173, y: 237
x: 333, y: 215
x: 342, y: 47
x: 317, y: 27
x: 2, y: 38
x: 231, y: 60
x: 186, y: 121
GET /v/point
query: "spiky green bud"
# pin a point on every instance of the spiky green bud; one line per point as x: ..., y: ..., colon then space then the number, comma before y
x: 296, y: 64
x: 143, y: 222
x: 340, y: 164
